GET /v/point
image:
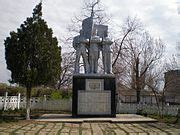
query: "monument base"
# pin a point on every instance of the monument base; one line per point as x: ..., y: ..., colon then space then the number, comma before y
x: 94, y: 95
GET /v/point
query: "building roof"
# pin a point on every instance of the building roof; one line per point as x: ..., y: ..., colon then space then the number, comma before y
x: 177, y: 72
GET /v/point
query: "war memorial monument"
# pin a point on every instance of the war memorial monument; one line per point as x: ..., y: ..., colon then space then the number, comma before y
x: 93, y: 92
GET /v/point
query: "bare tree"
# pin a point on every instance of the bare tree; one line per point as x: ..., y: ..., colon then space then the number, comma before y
x: 157, y: 83
x: 67, y: 70
x: 144, y: 52
x: 95, y: 7
x: 171, y: 63
x: 131, y: 26
x: 135, y: 54
x: 154, y: 82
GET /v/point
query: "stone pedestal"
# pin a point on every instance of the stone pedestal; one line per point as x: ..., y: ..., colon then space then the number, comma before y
x: 93, y: 95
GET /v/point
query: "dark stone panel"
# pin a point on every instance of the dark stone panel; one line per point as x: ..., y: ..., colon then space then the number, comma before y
x: 109, y: 83
x: 113, y: 97
x: 74, y: 98
x: 80, y: 83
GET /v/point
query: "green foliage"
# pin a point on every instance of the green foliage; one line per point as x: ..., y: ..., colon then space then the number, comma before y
x: 12, y: 115
x: 61, y: 94
x: 166, y: 119
x: 142, y: 112
x: 3, y: 85
x: 12, y: 90
x: 32, y: 53
x: 36, y: 91
x: 15, y: 112
x: 56, y: 95
x: 41, y: 91
x: 66, y: 94
x: 52, y: 93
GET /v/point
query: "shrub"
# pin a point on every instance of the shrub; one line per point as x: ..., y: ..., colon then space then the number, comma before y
x: 56, y: 95
x: 66, y: 94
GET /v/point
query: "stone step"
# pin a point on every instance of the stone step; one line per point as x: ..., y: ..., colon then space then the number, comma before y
x: 120, y: 118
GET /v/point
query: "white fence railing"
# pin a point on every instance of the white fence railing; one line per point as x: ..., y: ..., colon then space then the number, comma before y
x: 12, y: 102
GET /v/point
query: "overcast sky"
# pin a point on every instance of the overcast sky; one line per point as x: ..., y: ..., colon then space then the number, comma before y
x: 159, y: 17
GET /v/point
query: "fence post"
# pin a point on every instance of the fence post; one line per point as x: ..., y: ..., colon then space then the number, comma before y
x: 5, y: 103
x: 18, y: 100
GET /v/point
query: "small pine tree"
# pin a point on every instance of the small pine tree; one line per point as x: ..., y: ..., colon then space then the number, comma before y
x: 32, y: 54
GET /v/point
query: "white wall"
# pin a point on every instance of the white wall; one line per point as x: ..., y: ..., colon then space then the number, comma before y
x: 65, y: 105
x: 149, y: 109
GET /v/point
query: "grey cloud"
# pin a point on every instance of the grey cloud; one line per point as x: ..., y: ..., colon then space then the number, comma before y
x: 159, y: 16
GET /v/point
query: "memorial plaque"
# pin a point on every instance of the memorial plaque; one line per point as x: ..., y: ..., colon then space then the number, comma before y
x: 94, y: 102
x: 94, y: 84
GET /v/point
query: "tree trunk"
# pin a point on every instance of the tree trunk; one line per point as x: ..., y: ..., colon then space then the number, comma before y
x: 162, y: 107
x: 137, y: 85
x: 138, y: 96
x: 157, y: 103
x: 28, y: 103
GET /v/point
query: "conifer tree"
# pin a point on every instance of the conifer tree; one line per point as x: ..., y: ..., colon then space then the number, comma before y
x: 32, y: 55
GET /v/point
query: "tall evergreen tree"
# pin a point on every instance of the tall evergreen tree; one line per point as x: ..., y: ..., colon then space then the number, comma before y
x: 32, y: 54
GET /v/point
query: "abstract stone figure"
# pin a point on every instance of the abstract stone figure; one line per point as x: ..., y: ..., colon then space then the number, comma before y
x: 79, y: 45
x: 106, y: 55
x: 93, y: 38
x: 87, y: 26
x: 102, y: 30
x: 94, y: 54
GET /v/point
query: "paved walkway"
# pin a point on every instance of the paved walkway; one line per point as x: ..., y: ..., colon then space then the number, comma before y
x: 104, y: 128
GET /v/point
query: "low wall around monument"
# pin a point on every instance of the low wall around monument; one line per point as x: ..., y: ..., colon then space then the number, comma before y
x: 17, y: 102
x: 66, y: 105
x: 146, y: 109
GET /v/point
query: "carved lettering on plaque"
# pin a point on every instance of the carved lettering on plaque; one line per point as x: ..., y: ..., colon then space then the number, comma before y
x: 94, y: 84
